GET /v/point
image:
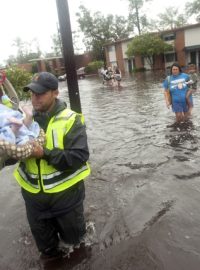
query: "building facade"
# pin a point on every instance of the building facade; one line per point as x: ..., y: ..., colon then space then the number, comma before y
x: 186, y: 48
x: 56, y: 64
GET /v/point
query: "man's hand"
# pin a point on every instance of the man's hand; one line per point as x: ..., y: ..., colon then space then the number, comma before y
x: 38, y: 150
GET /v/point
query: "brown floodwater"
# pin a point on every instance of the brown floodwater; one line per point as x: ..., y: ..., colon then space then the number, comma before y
x: 143, y: 195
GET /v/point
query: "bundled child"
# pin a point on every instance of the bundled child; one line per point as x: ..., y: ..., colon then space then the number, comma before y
x: 15, y: 127
x: 18, y: 132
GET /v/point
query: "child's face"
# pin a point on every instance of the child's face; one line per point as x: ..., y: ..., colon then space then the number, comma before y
x: 192, y: 69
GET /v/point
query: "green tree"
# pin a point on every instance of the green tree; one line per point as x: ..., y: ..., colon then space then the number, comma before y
x: 147, y: 45
x: 57, y: 44
x: 136, y: 17
x: 57, y: 47
x: 99, y: 29
x: 25, y: 51
x: 193, y: 8
x: 11, y: 60
x: 93, y: 67
x: 21, y: 50
x: 171, y: 19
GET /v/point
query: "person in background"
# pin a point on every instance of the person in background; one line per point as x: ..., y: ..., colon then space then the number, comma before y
x: 117, y: 75
x: 192, y: 86
x: 175, y: 91
x: 108, y: 76
x: 51, y: 179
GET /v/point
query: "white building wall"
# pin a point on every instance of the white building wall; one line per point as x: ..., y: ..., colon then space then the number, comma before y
x: 124, y: 49
x: 192, y: 37
x: 146, y: 64
x: 126, y: 65
x: 112, y: 54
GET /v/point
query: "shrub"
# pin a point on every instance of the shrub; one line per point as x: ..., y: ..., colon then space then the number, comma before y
x: 19, y: 77
x: 141, y: 69
x: 93, y: 67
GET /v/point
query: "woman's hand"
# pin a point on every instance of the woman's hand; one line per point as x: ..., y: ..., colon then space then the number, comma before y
x: 167, y: 98
x: 168, y: 104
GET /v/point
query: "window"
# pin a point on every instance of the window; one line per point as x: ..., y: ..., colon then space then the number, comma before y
x: 193, y: 57
x: 111, y: 48
x: 170, y: 57
x: 169, y: 37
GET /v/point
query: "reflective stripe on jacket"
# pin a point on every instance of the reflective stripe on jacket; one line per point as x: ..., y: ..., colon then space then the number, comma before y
x: 36, y: 175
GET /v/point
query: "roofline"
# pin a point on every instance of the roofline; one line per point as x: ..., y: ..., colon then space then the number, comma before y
x: 48, y: 58
x: 118, y: 41
x: 181, y: 28
x: 56, y: 57
x: 159, y: 32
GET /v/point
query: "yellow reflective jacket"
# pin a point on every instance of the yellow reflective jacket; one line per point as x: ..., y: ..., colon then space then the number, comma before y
x: 35, y: 175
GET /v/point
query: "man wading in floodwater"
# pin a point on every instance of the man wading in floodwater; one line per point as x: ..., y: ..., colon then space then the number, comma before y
x: 52, y: 179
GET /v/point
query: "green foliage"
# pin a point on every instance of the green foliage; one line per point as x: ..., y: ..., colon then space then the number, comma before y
x: 141, y: 69
x: 147, y: 46
x: 93, y: 67
x: 19, y: 78
x: 24, y: 51
x: 57, y: 44
x: 171, y: 19
x: 136, y: 17
x: 193, y: 8
x: 99, y: 29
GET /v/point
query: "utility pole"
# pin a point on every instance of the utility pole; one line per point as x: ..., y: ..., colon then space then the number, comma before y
x: 68, y: 54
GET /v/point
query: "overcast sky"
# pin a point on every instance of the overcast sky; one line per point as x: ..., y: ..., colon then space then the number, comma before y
x: 29, y: 19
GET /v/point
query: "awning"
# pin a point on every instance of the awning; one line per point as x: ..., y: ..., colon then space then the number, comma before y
x: 192, y: 48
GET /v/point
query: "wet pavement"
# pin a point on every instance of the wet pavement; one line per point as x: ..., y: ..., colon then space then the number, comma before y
x: 143, y: 194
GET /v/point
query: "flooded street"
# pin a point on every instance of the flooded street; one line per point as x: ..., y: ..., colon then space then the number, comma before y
x: 143, y: 195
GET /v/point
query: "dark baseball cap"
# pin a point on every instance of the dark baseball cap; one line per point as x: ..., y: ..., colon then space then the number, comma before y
x: 42, y: 82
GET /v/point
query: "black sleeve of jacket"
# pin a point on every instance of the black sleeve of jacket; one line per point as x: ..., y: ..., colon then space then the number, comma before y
x: 10, y: 161
x: 75, y: 152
